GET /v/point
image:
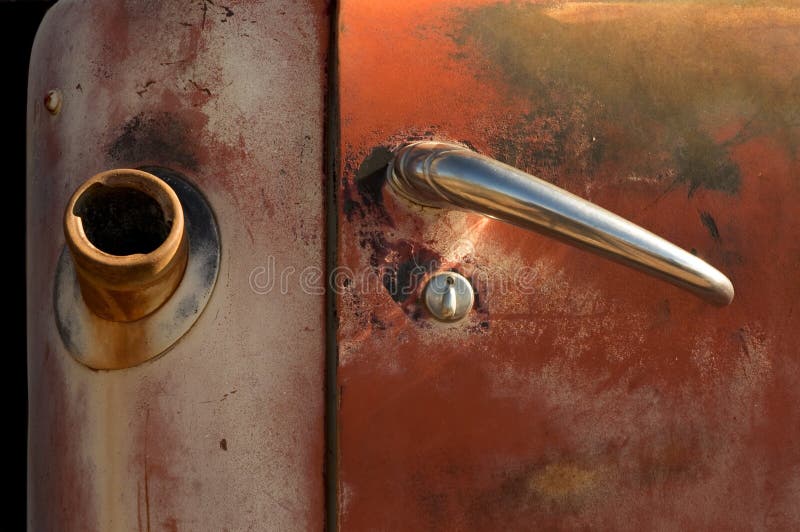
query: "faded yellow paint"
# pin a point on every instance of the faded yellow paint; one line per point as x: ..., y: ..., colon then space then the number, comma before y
x: 562, y: 482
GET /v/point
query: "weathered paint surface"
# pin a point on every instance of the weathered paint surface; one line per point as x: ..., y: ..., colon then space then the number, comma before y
x: 225, y: 431
x: 579, y: 395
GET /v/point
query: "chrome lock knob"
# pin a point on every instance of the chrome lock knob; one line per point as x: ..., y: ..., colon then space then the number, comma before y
x: 449, y: 296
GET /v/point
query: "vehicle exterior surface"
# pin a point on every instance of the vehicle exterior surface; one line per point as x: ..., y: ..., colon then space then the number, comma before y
x: 576, y: 394
x: 225, y: 431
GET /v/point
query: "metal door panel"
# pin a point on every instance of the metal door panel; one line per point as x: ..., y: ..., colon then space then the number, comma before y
x: 578, y: 393
x: 224, y: 431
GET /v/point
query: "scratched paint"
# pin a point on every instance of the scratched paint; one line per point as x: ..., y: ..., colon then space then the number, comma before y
x: 225, y: 431
x: 595, y: 397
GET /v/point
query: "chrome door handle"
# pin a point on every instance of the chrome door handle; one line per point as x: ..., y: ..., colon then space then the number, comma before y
x: 446, y: 175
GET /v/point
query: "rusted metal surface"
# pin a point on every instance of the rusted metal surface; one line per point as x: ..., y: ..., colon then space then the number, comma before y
x: 577, y: 394
x: 225, y: 431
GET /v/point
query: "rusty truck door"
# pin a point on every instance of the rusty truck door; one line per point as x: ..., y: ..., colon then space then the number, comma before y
x: 577, y: 393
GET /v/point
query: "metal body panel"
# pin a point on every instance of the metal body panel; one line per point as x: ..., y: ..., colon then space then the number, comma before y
x: 577, y: 394
x: 225, y: 430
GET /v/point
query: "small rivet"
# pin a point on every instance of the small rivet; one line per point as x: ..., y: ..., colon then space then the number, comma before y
x: 449, y: 296
x: 52, y: 101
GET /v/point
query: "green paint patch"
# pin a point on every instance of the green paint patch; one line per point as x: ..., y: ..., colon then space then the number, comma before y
x: 641, y: 88
x: 700, y: 162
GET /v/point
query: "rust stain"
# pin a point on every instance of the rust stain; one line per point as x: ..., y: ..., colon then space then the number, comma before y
x: 559, y: 482
x: 139, y: 506
x: 145, y: 469
x: 60, y: 479
x: 154, y: 454
x: 170, y: 524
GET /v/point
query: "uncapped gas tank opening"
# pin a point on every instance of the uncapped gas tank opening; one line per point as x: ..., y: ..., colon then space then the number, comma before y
x: 125, y: 232
x: 122, y: 221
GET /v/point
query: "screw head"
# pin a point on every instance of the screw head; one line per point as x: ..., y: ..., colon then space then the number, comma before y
x: 53, y: 101
x: 449, y: 296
